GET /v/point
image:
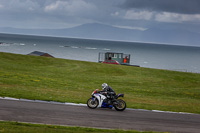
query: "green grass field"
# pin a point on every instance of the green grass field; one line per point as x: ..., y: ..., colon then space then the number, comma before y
x: 51, y: 79
x: 16, y: 127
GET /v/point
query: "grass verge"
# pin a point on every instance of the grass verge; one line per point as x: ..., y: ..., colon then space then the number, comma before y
x: 17, y: 127
x: 51, y: 79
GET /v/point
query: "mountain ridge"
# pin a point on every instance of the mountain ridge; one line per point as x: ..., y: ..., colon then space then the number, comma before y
x: 107, y: 32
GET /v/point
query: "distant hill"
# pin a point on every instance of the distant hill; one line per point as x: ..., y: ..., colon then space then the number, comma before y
x: 102, y: 31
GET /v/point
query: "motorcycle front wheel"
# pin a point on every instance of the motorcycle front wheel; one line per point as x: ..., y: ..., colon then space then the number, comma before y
x: 92, y: 103
x: 120, y: 105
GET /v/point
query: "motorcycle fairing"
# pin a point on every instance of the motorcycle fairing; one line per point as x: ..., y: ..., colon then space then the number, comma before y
x: 100, y: 98
x: 105, y: 105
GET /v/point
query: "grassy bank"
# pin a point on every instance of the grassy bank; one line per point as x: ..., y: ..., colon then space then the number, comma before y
x: 30, y: 77
x: 16, y: 127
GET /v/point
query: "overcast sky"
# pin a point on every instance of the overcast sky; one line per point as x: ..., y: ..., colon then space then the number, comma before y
x: 133, y: 14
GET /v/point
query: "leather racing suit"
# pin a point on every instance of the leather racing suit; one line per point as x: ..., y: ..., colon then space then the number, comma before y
x: 110, y: 93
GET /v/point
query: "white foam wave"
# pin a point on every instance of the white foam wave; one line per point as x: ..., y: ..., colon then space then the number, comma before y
x: 74, y: 47
x: 106, y: 49
x: 90, y: 48
x: 4, y: 44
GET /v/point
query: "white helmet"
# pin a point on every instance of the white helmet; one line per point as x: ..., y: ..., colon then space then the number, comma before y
x: 104, y: 85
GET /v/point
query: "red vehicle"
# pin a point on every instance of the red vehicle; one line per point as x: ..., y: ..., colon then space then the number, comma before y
x: 111, y: 62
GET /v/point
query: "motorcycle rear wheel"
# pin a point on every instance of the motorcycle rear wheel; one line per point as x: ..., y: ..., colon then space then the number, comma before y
x: 121, y: 105
x: 92, y: 103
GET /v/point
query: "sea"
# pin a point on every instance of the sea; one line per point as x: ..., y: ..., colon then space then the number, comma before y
x: 148, y: 55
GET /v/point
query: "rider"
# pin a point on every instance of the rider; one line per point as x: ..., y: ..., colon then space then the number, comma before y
x: 109, y: 91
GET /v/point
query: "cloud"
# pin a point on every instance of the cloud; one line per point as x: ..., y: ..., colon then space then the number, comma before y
x: 161, y: 16
x: 175, y: 17
x: 70, y: 7
x: 125, y: 13
x: 138, y: 15
x: 1, y: 6
x: 19, y: 5
x: 115, y: 13
x: 173, y: 6
x: 45, y: 13
x: 130, y: 27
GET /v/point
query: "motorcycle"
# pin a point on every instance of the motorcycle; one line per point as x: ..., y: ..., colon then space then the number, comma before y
x: 98, y: 99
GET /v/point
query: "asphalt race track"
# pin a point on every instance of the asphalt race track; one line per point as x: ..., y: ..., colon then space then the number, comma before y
x: 60, y: 114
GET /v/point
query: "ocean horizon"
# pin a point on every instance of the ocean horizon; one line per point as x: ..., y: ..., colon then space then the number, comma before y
x: 145, y: 54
